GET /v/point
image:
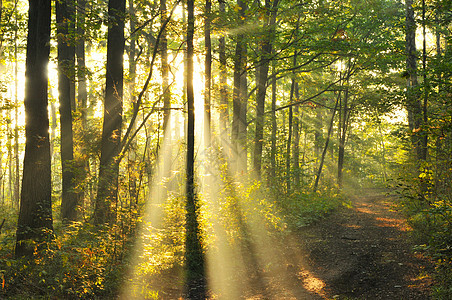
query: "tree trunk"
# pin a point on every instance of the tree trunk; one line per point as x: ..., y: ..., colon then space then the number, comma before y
x: 35, y: 215
x: 342, y: 130
x: 274, y: 125
x: 107, y: 191
x: 289, y: 139
x: 238, y: 134
x: 81, y: 155
x: 16, y: 119
x: 133, y: 169
x: 208, y: 75
x: 66, y: 94
x: 165, y: 71
x: 426, y: 86
x: 266, y: 50
x: 243, y: 126
x: 289, y: 145
x: 194, y: 258
x: 296, y: 138
x: 414, y: 106
x: 322, y: 159
x: 224, y: 107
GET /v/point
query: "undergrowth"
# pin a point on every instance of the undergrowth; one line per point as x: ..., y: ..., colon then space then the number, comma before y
x: 430, y: 217
x: 83, y: 261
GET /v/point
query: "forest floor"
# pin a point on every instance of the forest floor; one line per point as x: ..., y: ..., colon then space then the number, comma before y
x: 361, y: 252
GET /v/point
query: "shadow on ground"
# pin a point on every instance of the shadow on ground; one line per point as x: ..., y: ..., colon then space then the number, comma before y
x: 361, y: 252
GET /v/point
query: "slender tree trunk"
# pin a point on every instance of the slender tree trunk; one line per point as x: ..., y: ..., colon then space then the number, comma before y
x: 296, y: 138
x: 10, y: 158
x: 414, y: 106
x: 342, y: 131
x: 224, y: 107
x: 194, y: 258
x: 208, y: 75
x: 107, y: 191
x: 288, y: 154
x: 35, y: 215
x: 322, y: 159
x: 133, y: 169
x: 426, y: 86
x: 82, y: 91
x: 16, y: 118
x: 243, y: 126
x: 318, y: 131
x: 274, y: 125
x: 266, y: 50
x: 165, y: 71
x: 236, y: 99
x: 167, y: 126
x: 66, y: 93
x: 289, y: 139
x: 81, y: 155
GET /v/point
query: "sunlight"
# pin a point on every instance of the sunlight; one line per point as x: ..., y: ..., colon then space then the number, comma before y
x: 160, y: 248
x: 244, y: 255
x: 155, y: 252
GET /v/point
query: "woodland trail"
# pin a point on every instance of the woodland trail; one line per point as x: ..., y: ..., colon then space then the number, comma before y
x: 362, y: 252
x: 357, y: 252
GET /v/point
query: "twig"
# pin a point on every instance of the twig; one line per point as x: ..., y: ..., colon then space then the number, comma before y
x: 3, y: 222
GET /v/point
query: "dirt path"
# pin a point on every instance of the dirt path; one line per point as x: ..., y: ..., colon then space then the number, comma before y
x: 361, y: 252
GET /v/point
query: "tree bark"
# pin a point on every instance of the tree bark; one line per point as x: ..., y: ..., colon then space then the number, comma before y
x: 266, y: 50
x: 239, y: 99
x: 413, y: 104
x: 296, y: 138
x: 342, y: 130
x: 224, y: 106
x: 274, y: 125
x: 35, y: 215
x: 133, y: 169
x: 16, y: 119
x: 81, y: 156
x: 66, y: 93
x: 426, y: 86
x: 194, y: 258
x: 208, y: 75
x: 165, y: 71
x: 107, y: 191
x: 322, y: 159
x: 288, y: 154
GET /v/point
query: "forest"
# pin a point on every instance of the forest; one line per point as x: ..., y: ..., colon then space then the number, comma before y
x: 182, y: 149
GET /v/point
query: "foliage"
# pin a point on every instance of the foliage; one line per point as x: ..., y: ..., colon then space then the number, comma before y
x: 82, y: 261
x: 303, y: 209
x: 431, y: 223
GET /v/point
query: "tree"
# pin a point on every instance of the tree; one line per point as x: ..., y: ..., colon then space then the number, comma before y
x: 208, y: 74
x: 107, y: 190
x: 81, y: 162
x: 224, y: 116
x: 413, y: 102
x: 296, y: 138
x: 35, y: 215
x: 65, y: 18
x: 271, y: 9
x: 194, y: 258
x: 165, y: 71
x: 239, y: 97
